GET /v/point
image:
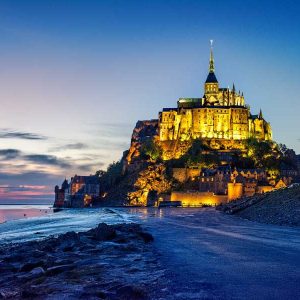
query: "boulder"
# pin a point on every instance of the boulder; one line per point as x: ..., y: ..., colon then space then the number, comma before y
x: 102, y: 232
x: 59, y: 269
x: 147, y: 237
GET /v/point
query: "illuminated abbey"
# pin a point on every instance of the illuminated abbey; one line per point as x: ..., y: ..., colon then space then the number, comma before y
x: 221, y: 116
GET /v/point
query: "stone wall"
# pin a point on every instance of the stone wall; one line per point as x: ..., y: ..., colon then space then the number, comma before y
x: 235, y: 191
x: 198, y: 198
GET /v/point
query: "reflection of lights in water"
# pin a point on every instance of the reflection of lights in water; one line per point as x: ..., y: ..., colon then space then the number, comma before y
x: 160, y: 212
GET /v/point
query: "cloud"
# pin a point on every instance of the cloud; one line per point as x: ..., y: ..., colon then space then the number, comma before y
x: 28, y: 178
x: 111, y: 130
x: 73, y: 146
x: 30, y: 193
x: 47, y: 160
x: 91, y: 167
x: 9, y: 153
x: 30, y: 186
x: 14, y: 134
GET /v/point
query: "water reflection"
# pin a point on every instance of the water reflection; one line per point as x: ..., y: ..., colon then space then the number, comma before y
x: 8, y: 213
x: 147, y: 212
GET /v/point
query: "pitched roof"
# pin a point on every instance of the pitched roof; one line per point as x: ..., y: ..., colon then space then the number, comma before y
x: 211, y: 78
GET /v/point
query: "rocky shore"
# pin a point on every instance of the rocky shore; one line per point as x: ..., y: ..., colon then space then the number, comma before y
x: 281, y: 207
x: 107, y: 262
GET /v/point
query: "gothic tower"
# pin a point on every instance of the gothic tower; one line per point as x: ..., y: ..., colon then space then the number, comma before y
x: 211, y: 86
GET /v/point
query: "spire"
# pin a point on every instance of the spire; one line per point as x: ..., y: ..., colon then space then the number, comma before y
x: 233, y: 87
x: 211, y: 59
x: 260, y: 116
x: 211, y: 78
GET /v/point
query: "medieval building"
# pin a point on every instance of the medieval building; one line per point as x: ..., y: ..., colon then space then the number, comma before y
x: 221, y: 114
x: 79, y: 192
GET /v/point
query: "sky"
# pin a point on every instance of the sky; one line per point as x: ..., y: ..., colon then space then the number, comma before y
x: 75, y: 77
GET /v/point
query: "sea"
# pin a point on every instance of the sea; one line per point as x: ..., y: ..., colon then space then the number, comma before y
x: 19, y: 223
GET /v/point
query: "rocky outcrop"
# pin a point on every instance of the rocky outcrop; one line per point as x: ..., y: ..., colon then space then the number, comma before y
x: 107, y: 262
x: 151, y: 181
x: 279, y: 207
x: 143, y: 131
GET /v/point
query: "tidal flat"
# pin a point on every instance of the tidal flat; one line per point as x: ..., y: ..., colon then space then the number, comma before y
x: 196, y: 253
x: 106, y: 262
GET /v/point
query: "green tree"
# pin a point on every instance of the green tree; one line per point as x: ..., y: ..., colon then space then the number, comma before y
x: 151, y: 150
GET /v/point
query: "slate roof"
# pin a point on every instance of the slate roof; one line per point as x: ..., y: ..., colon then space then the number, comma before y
x: 211, y: 78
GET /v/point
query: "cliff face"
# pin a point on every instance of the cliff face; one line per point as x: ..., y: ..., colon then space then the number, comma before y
x: 143, y: 131
x: 150, y: 182
x: 133, y: 168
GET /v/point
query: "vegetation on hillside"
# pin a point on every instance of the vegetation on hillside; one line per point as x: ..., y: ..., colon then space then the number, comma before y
x: 111, y: 177
x: 149, y: 175
x: 151, y: 150
x: 266, y: 154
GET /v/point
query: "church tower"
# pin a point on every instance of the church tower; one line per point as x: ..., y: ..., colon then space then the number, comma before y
x: 211, y: 86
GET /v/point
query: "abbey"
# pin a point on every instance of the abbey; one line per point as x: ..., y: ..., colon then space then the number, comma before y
x: 221, y: 114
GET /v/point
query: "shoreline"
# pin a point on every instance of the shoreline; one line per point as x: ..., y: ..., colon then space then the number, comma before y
x: 103, y: 262
x: 192, y: 252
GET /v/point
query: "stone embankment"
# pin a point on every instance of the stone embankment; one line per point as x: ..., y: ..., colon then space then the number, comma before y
x: 107, y: 262
x: 281, y: 207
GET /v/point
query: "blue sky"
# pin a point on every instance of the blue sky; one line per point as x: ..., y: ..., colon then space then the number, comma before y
x: 77, y: 75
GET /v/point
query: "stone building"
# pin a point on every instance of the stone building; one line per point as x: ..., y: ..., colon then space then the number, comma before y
x: 215, y: 180
x: 221, y: 114
x: 60, y: 193
x: 81, y: 191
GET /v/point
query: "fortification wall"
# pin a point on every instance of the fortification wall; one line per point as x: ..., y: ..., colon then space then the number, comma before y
x: 235, y: 191
x: 198, y: 198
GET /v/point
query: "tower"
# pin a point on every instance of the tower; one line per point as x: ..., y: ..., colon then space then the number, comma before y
x: 211, y: 86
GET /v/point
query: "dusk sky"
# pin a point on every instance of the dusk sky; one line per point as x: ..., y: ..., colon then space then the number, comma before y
x: 75, y: 76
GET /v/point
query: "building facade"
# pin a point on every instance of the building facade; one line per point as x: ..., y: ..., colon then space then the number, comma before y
x: 220, y: 114
x: 79, y: 192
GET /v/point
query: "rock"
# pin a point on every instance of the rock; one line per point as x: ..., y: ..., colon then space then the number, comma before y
x: 131, y: 292
x: 69, y: 236
x: 147, y: 237
x: 103, y: 232
x: 68, y: 248
x: 35, y: 273
x: 123, y: 257
x: 30, y: 266
x: 29, y: 294
x: 37, y: 253
x: 279, y: 207
x: 8, y: 294
x: 59, y: 269
x: 6, y: 267
x: 12, y: 258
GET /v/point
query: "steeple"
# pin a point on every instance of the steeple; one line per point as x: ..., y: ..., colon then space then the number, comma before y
x: 211, y: 59
x: 260, y: 116
x: 211, y: 77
